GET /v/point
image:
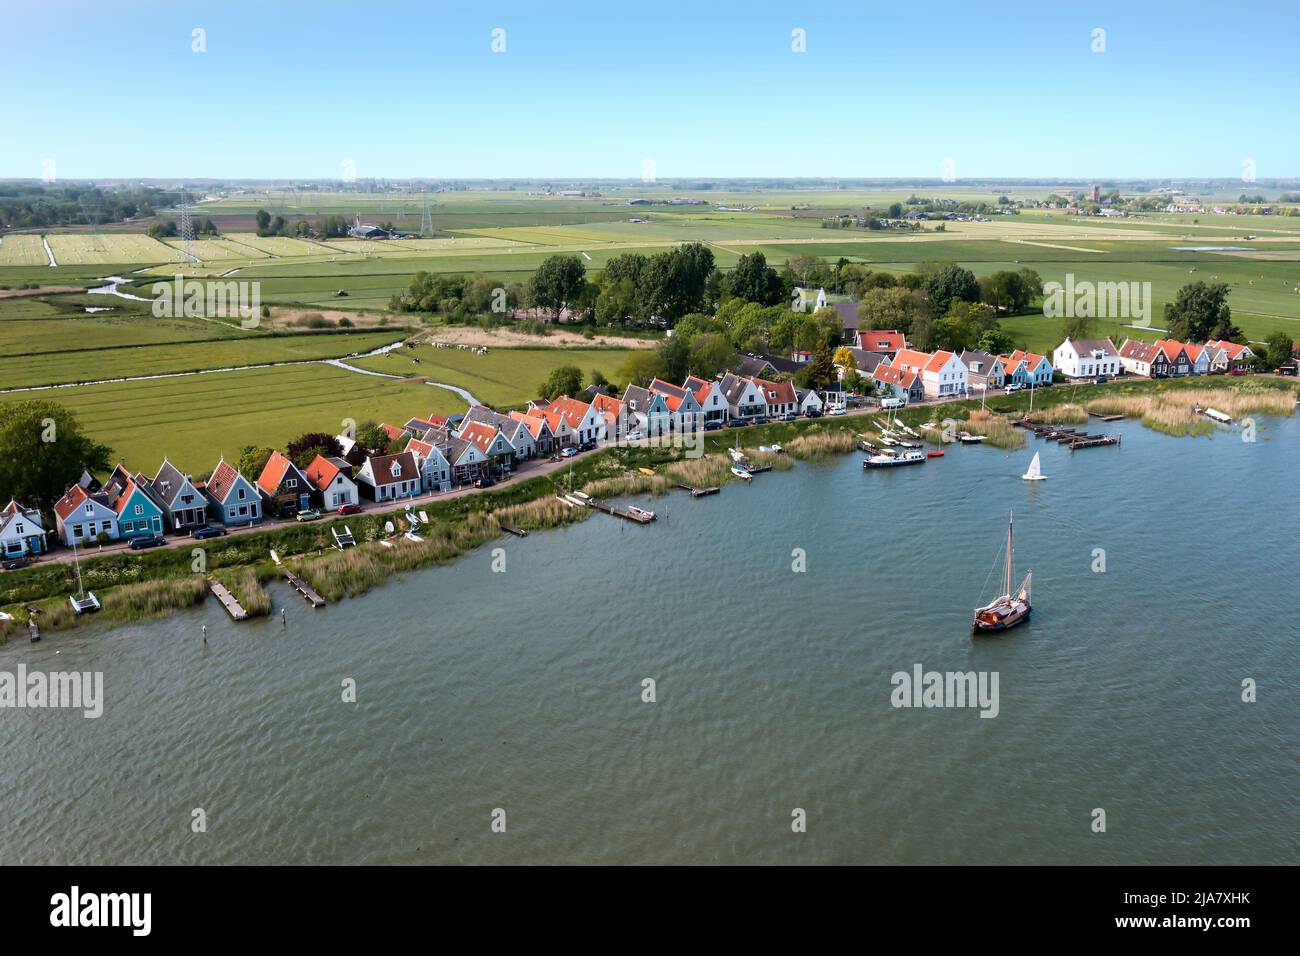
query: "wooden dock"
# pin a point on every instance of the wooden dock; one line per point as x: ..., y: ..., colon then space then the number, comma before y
x: 517, y: 532
x: 303, y: 588
x: 620, y: 512
x: 1107, y: 418
x: 758, y: 470
x: 698, y: 492
x: 1094, y: 441
x: 227, y: 600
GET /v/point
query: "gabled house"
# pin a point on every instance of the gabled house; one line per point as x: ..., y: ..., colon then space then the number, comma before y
x: 848, y: 321
x: 183, y: 504
x: 389, y: 477
x: 520, y: 438
x: 710, y: 398
x: 435, y: 470
x: 557, y: 424
x: 865, y: 362
x: 81, y: 516
x: 809, y: 400
x: 744, y: 400
x: 885, y: 341
x: 983, y: 370
x: 1028, y: 368
x: 1087, y: 358
x: 1172, y: 360
x: 138, y: 514
x: 232, y: 498
x: 779, y: 397
x: 647, y: 411
x: 683, y: 409
x: 492, y: 443
x: 897, y: 382
x: 332, y: 479
x: 1228, y: 355
x: 21, y: 532
x: 588, y: 425
x: 467, y: 462
x: 285, y: 489
x: 1139, y: 358
x: 539, y: 429
x: 943, y: 374
x: 1192, y: 361
x: 615, y: 414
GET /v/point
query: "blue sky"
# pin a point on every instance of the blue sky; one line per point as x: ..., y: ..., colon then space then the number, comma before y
x: 1003, y: 89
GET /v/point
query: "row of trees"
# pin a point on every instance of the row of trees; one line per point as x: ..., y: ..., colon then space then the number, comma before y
x: 33, y: 205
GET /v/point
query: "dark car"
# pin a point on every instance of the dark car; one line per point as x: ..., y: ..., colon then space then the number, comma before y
x: 587, y: 445
x: 13, y: 564
x: 207, y: 531
x: 758, y: 420
x: 712, y: 426
x: 484, y: 483
x: 813, y: 413
x: 349, y: 509
x: 789, y: 417
x: 736, y: 423
x: 147, y: 541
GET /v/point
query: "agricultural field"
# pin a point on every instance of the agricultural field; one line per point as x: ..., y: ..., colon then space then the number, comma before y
x: 195, y: 419
x: 503, y: 377
x: 18, y: 249
x: 107, y: 248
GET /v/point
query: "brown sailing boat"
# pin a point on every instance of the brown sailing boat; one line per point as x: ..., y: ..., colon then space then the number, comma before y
x: 1010, y: 609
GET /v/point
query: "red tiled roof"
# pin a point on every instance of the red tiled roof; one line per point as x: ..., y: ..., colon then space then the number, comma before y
x: 607, y: 405
x: 69, y: 502
x: 571, y: 409
x: 775, y: 391
x: 381, y: 468
x: 881, y: 340
x: 938, y: 360
x: 392, y: 431
x: 322, y: 472
x: 273, y: 473
x: 480, y: 434
x: 222, y: 480
x: 893, y: 375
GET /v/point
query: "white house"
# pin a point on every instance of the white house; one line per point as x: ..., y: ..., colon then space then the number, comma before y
x: 712, y: 402
x: 21, y: 532
x: 388, y: 477
x: 1087, y: 358
x: 744, y: 400
x: 943, y: 374
x: 435, y: 469
x: 333, y: 482
x: 586, y: 422
x: 809, y: 400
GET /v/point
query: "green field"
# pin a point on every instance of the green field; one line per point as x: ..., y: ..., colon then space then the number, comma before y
x: 503, y: 377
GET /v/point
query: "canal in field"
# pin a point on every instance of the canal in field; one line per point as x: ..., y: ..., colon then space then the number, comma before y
x: 1165, y: 575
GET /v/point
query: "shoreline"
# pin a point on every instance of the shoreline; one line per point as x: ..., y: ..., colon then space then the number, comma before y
x: 465, y: 520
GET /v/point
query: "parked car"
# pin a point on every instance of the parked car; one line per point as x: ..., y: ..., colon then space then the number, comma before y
x: 736, y: 423
x: 837, y: 410
x: 587, y: 445
x: 813, y: 413
x: 758, y: 420
x: 311, y: 514
x: 633, y: 436
x: 1236, y: 372
x: 1014, y: 387
x: 147, y: 541
x: 207, y: 531
x: 789, y: 417
x: 349, y: 510
x: 484, y: 483
x: 13, y: 564
x: 569, y: 451
x: 891, y: 403
x: 712, y: 425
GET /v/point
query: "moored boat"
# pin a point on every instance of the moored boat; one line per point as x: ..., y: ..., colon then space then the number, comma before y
x: 893, y: 459
x: 1008, y: 609
x: 934, y: 454
x: 741, y: 473
x: 640, y: 513
x: 966, y: 438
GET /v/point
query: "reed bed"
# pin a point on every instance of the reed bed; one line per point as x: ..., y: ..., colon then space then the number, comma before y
x: 934, y: 436
x: 1064, y: 414
x: 148, y: 599
x: 998, y: 431
x: 767, y: 459
x: 633, y: 483
x: 820, y: 444
x: 245, y: 583
x: 540, y: 513
x: 1172, y: 411
x: 705, y: 472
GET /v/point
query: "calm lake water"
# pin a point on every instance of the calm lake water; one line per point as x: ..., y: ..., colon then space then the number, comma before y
x: 522, y: 690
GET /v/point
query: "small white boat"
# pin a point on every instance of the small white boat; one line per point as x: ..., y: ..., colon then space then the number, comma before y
x: 778, y: 449
x: 87, y: 604
x: 640, y: 513
x: 888, y: 441
x: 966, y: 438
x: 1035, y: 472
x: 737, y: 455
x: 741, y: 473
x: 412, y: 536
x: 893, y: 459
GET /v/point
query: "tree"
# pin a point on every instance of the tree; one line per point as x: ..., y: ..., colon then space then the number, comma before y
x: 675, y: 353
x: 821, y: 370
x: 43, y: 451
x: 673, y: 283
x: 564, y: 380
x: 1008, y: 290
x: 892, y: 308
x: 642, y: 366
x: 1197, y: 311
x: 1077, y: 327
x: 949, y: 282
x: 755, y: 281
x: 558, y: 281
x: 252, y: 459
x: 996, y: 342
x: 302, y: 451
x: 1277, y: 349
x: 710, y: 354
x: 371, y: 437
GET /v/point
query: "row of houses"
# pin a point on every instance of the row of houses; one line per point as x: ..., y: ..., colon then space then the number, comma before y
x: 912, y: 376
x: 1168, y: 358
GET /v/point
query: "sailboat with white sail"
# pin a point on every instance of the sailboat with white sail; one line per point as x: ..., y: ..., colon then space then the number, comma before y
x: 1035, y: 472
x: 1008, y: 609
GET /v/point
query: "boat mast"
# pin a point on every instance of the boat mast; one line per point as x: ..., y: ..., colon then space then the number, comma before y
x: 81, y: 591
x: 1010, y: 519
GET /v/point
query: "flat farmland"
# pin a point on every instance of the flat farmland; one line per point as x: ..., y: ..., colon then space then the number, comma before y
x: 22, y: 250
x: 195, y: 419
x: 108, y: 248
x: 124, y: 361
x: 503, y: 377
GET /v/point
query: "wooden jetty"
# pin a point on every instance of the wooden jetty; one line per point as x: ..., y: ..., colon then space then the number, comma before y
x: 517, y: 532
x: 758, y: 470
x: 303, y: 588
x: 698, y: 492
x: 620, y: 512
x: 227, y: 600
x: 1107, y: 418
x: 1094, y: 441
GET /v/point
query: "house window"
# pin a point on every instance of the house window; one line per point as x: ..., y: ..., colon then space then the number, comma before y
x: 240, y: 494
x: 90, y: 509
x: 19, y: 528
x: 291, y: 483
x: 139, y: 509
x: 243, y: 510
